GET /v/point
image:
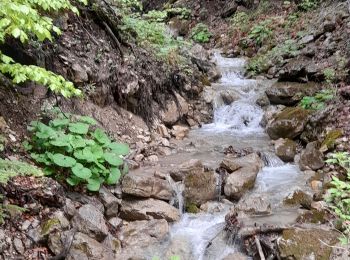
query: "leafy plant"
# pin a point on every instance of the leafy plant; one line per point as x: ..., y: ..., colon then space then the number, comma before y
x: 200, y: 33
x: 24, y: 19
x: 307, y: 5
x: 318, y: 101
x: 75, y: 149
x: 329, y: 75
x: 339, y: 194
x: 260, y: 32
x: 10, y: 169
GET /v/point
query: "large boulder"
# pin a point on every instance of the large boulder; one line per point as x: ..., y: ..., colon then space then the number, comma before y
x: 285, y: 149
x: 200, y: 187
x: 188, y: 167
x: 143, y: 183
x: 174, y: 110
x: 311, y: 158
x: 289, y: 123
x: 89, y: 220
x: 84, y: 247
x: 289, y: 93
x: 148, y: 209
x: 311, y: 242
x: 243, y: 179
x: 143, y: 233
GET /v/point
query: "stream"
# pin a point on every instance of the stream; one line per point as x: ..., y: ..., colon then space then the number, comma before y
x: 201, y: 236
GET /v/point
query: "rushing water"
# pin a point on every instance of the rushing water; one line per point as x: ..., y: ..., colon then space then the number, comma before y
x: 201, y: 236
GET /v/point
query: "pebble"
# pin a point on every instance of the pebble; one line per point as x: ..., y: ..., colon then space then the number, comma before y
x: 18, y: 245
x: 12, y: 137
x: 25, y: 225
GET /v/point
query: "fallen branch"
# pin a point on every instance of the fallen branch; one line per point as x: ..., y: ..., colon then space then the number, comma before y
x: 258, y: 245
x: 252, y: 231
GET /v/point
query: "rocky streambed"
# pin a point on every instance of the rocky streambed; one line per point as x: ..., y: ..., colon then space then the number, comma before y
x: 226, y: 192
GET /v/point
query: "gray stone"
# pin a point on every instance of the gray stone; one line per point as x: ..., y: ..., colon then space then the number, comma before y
x: 174, y: 110
x: 90, y: 221
x: 115, y: 222
x: 110, y: 202
x: 311, y: 158
x: 18, y: 245
x: 254, y: 206
x: 112, y: 243
x: 143, y: 233
x: 84, y: 247
x: 235, y: 256
x: 80, y: 74
x: 148, y: 209
x: 188, y: 167
x: 143, y: 183
x: 85, y: 199
x: 285, y: 149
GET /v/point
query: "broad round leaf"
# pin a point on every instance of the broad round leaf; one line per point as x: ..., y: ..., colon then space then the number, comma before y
x: 63, y: 161
x: 78, y: 128
x: 87, y: 119
x: 101, y: 136
x: 114, y: 176
x: 113, y: 159
x: 59, y: 122
x: 93, y: 184
x: 80, y: 171
x: 77, y: 142
x: 119, y: 148
x: 73, y: 181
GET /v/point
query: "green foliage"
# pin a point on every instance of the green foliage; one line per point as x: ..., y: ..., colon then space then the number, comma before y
x: 23, y: 20
x: 162, y: 16
x: 2, y: 143
x: 339, y: 194
x: 329, y: 75
x: 240, y: 19
x: 307, y: 5
x: 200, y: 33
x: 75, y: 149
x: 10, y: 169
x: 318, y: 101
x: 261, y: 32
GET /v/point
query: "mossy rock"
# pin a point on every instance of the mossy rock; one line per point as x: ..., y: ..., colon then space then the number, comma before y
x: 313, y: 216
x: 298, y: 244
x: 50, y: 225
x: 298, y: 198
x: 331, y: 137
x: 289, y: 123
x: 192, y: 208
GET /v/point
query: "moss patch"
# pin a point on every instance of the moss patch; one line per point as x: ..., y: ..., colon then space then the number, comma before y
x: 331, y: 137
x: 192, y: 208
x: 49, y: 225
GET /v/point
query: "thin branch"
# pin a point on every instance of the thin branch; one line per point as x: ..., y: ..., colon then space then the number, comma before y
x: 258, y: 245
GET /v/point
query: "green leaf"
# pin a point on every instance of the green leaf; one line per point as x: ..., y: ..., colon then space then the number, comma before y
x: 59, y: 122
x: 80, y: 171
x: 63, y: 161
x: 27, y: 146
x: 119, y: 148
x: 73, y: 181
x: 85, y: 154
x: 114, y: 176
x: 16, y: 32
x: 78, y: 128
x: 113, y: 159
x: 101, y: 136
x: 77, y: 141
x: 93, y: 184
x: 125, y: 169
x: 87, y: 120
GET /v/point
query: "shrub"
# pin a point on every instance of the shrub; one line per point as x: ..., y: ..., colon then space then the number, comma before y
x: 318, y: 101
x: 329, y: 75
x: 339, y: 194
x: 307, y: 5
x: 260, y: 32
x: 74, y: 149
x: 23, y: 19
x: 200, y: 33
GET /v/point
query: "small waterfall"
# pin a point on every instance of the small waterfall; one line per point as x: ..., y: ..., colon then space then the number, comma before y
x: 271, y: 160
x: 178, y: 199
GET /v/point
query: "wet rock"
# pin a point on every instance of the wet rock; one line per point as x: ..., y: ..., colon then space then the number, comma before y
x: 254, y: 206
x: 180, y: 132
x: 89, y: 220
x: 174, y: 110
x: 299, y: 198
x: 289, y: 93
x: 144, y: 184
x: 215, y: 206
x: 200, y: 187
x: 191, y: 166
x: 235, y: 256
x: 289, y: 123
x: 311, y: 242
x: 285, y: 149
x: 84, y: 247
x: 251, y: 159
x: 311, y: 158
x: 229, y: 96
x: 208, y: 95
x: 143, y: 233
x: 45, y: 190
x: 263, y: 101
x: 229, y: 163
x: 179, y: 246
x: 110, y: 202
x: 148, y: 209
x: 243, y: 179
